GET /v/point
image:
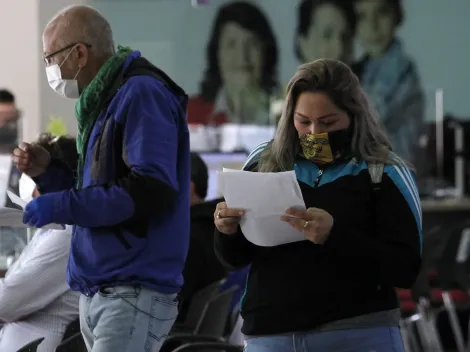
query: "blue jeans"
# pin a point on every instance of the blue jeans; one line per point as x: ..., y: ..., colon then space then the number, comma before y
x: 381, y: 339
x: 127, y: 319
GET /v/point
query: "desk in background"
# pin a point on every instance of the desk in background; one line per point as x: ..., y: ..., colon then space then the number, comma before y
x: 444, y: 212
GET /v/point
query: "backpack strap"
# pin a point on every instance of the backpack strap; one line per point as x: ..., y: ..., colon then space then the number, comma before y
x: 142, y: 67
x: 376, y: 171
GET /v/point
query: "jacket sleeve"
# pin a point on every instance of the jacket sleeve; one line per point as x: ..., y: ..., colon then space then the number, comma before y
x: 58, y: 177
x: 393, y: 253
x: 40, y: 279
x: 150, y: 151
x: 235, y: 251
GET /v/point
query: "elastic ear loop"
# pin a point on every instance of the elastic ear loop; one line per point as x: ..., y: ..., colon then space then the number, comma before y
x: 66, y: 57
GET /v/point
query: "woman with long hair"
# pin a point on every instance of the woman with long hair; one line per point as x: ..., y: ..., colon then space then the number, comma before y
x: 334, y: 291
x: 241, y: 72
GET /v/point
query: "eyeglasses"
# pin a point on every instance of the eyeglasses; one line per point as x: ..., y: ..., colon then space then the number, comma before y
x: 47, y: 58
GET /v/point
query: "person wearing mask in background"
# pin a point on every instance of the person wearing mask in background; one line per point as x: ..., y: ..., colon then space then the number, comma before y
x: 335, y: 291
x: 9, y: 116
x: 387, y: 74
x: 35, y: 300
x: 12, y: 239
x: 9, y: 133
x: 325, y: 30
x: 202, y: 266
x: 130, y: 203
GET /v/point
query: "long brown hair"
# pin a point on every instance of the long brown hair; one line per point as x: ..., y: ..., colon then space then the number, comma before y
x: 369, y: 142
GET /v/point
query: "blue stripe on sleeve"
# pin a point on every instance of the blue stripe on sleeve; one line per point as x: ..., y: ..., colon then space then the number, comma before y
x: 405, y: 181
x: 254, y: 156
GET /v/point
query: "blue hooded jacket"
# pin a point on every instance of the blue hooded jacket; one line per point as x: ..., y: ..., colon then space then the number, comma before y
x: 131, y: 220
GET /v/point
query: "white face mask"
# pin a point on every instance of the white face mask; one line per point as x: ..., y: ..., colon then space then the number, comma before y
x: 27, y: 187
x: 67, y: 88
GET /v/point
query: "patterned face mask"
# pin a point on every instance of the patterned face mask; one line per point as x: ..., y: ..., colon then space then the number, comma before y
x: 324, y: 147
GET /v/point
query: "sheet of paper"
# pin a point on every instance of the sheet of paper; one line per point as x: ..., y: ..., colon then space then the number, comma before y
x: 14, y: 217
x: 5, y: 173
x: 17, y: 200
x: 264, y: 197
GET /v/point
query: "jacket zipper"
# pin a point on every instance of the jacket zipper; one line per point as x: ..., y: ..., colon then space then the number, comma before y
x: 319, y: 175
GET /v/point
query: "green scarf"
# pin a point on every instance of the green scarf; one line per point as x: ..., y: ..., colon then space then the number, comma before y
x: 92, y: 100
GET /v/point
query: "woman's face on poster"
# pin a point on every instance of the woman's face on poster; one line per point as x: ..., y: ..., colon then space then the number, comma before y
x: 329, y: 36
x: 376, y: 22
x: 240, y: 57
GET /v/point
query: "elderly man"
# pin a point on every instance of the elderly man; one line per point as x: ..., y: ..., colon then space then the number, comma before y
x: 130, y: 203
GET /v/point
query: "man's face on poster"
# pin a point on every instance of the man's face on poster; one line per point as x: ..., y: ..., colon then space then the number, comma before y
x: 376, y: 22
x: 240, y: 57
x: 329, y: 36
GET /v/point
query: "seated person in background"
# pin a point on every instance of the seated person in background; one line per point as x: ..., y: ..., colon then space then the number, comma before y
x: 12, y: 239
x: 202, y: 266
x: 335, y: 290
x: 35, y: 300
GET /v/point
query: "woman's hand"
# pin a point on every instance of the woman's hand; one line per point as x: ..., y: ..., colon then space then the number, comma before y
x: 226, y: 220
x: 315, y: 223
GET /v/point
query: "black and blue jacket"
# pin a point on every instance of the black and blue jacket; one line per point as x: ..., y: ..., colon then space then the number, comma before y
x: 374, y: 246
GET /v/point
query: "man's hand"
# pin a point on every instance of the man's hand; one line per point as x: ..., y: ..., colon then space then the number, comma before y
x: 31, y: 159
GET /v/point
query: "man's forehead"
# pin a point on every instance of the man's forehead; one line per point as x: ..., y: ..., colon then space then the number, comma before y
x: 49, y: 40
x: 52, y: 34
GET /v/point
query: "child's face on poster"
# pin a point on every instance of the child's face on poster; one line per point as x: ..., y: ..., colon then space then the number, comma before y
x: 376, y: 23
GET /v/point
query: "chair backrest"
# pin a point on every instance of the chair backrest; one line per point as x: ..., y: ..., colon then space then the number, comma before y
x: 451, y: 267
x: 32, y: 346
x: 216, y: 313
x: 208, y: 346
x: 237, y: 278
x: 434, y: 242
x: 74, y: 343
x: 198, y: 305
x: 72, y: 329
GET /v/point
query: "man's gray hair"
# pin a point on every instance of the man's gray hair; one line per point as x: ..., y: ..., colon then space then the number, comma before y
x: 84, y: 24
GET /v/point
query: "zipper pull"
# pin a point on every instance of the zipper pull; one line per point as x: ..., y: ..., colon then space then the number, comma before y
x: 317, y: 180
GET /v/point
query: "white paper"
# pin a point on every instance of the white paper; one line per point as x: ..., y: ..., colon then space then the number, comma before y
x: 5, y: 173
x: 264, y: 197
x: 17, y: 200
x: 14, y: 217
